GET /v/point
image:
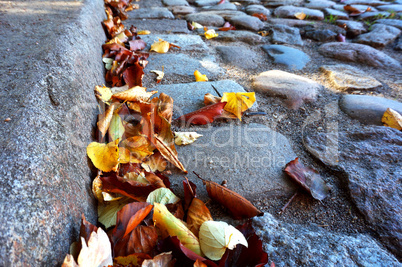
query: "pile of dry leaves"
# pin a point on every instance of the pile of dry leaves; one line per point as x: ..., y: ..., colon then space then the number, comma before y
x: 143, y: 222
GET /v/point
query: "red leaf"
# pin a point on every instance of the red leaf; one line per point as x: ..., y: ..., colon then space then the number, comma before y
x: 86, y: 229
x: 137, y: 45
x: 308, y: 179
x: 241, y: 256
x: 204, y: 115
x: 239, y: 207
x: 133, y: 75
x: 227, y: 27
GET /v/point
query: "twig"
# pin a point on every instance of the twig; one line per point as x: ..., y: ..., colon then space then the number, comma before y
x: 287, y: 204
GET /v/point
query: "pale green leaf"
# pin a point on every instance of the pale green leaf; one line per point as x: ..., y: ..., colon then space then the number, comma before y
x: 162, y: 196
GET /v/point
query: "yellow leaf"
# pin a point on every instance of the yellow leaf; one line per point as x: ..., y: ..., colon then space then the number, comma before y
x: 185, y: 138
x: 263, y: 33
x: 238, y: 102
x: 170, y: 225
x: 144, y: 32
x: 125, y: 156
x: 103, y: 93
x: 139, y: 146
x: 392, y: 118
x: 210, y: 34
x: 200, y: 77
x: 97, y: 188
x: 105, y: 157
x: 215, y: 237
x: 160, y: 47
x: 136, y: 93
x: 300, y: 15
x: 116, y: 40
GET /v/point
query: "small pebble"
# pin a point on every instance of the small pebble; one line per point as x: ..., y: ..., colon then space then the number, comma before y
x: 7, y: 120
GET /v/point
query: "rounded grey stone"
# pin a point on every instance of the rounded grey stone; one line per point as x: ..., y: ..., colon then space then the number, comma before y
x: 238, y: 56
x: 247, y: 22
x: 288, y: 56
x: 282, y: 34
x: 296, y: 89
x: 368, y: 109
x: 379, y: 36
x: 290, y: 11
x: 358, y: 53
x: 206, y: 19
x: 259, y: 9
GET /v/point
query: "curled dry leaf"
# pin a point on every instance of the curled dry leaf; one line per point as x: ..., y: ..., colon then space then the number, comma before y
x: 103, y: 93
x: 200, y: 77
x: 197, y: 214
x: 105, y: 157
x: 136, y: 93
x: 237, y: 103
x: 215, y: 237
x: 204, y: 115
x: 239, y: 207
x: 263, y: 33
x: 185, y: 138
x: 165, y: 107
x: 227, y: 27
x: 160, y: 75
x: 161, y: 260
x: 189, y: 189
x: 308, y: 179
x: 210, y: 99
x: 105, y: 118
x: 209, y: 34
x: 133, y: 75
x: 392, y: 118
x: 170, y: 225
x: 139, y: 147
x: 199, y: 263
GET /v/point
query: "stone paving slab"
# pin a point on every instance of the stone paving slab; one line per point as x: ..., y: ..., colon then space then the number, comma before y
x: 159, y: 26
x: 186, y: 42
x: 151, y: 13
x: 189, y: 97
x: 180, y: 68
x: 250, y: 157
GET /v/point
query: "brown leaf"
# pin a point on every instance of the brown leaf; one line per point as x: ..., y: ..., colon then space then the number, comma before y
x: 86, y: 229
x: 227, y: 27
x: 132, y: 189
x: 199, y: 263
x: 253, y: 255
x: 133, y: 75
x: 308, y: 179
x: 137, y: 219
x: 189, y: 192
x: 204, y: 115
x: 197, y: 214
x: 165, y: 107
x: 137, y: 44
x: 131, y: 260
x: 239, y: 207
x: 136, y: 93
x: 353, y: 11
x: 142, y: 239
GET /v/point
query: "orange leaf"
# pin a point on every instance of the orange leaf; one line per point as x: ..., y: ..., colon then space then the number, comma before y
x: 137, y: 219
x: 197, y: 214
x: 261, y: 16
x: 199, y: 263
x: 238, y: 206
